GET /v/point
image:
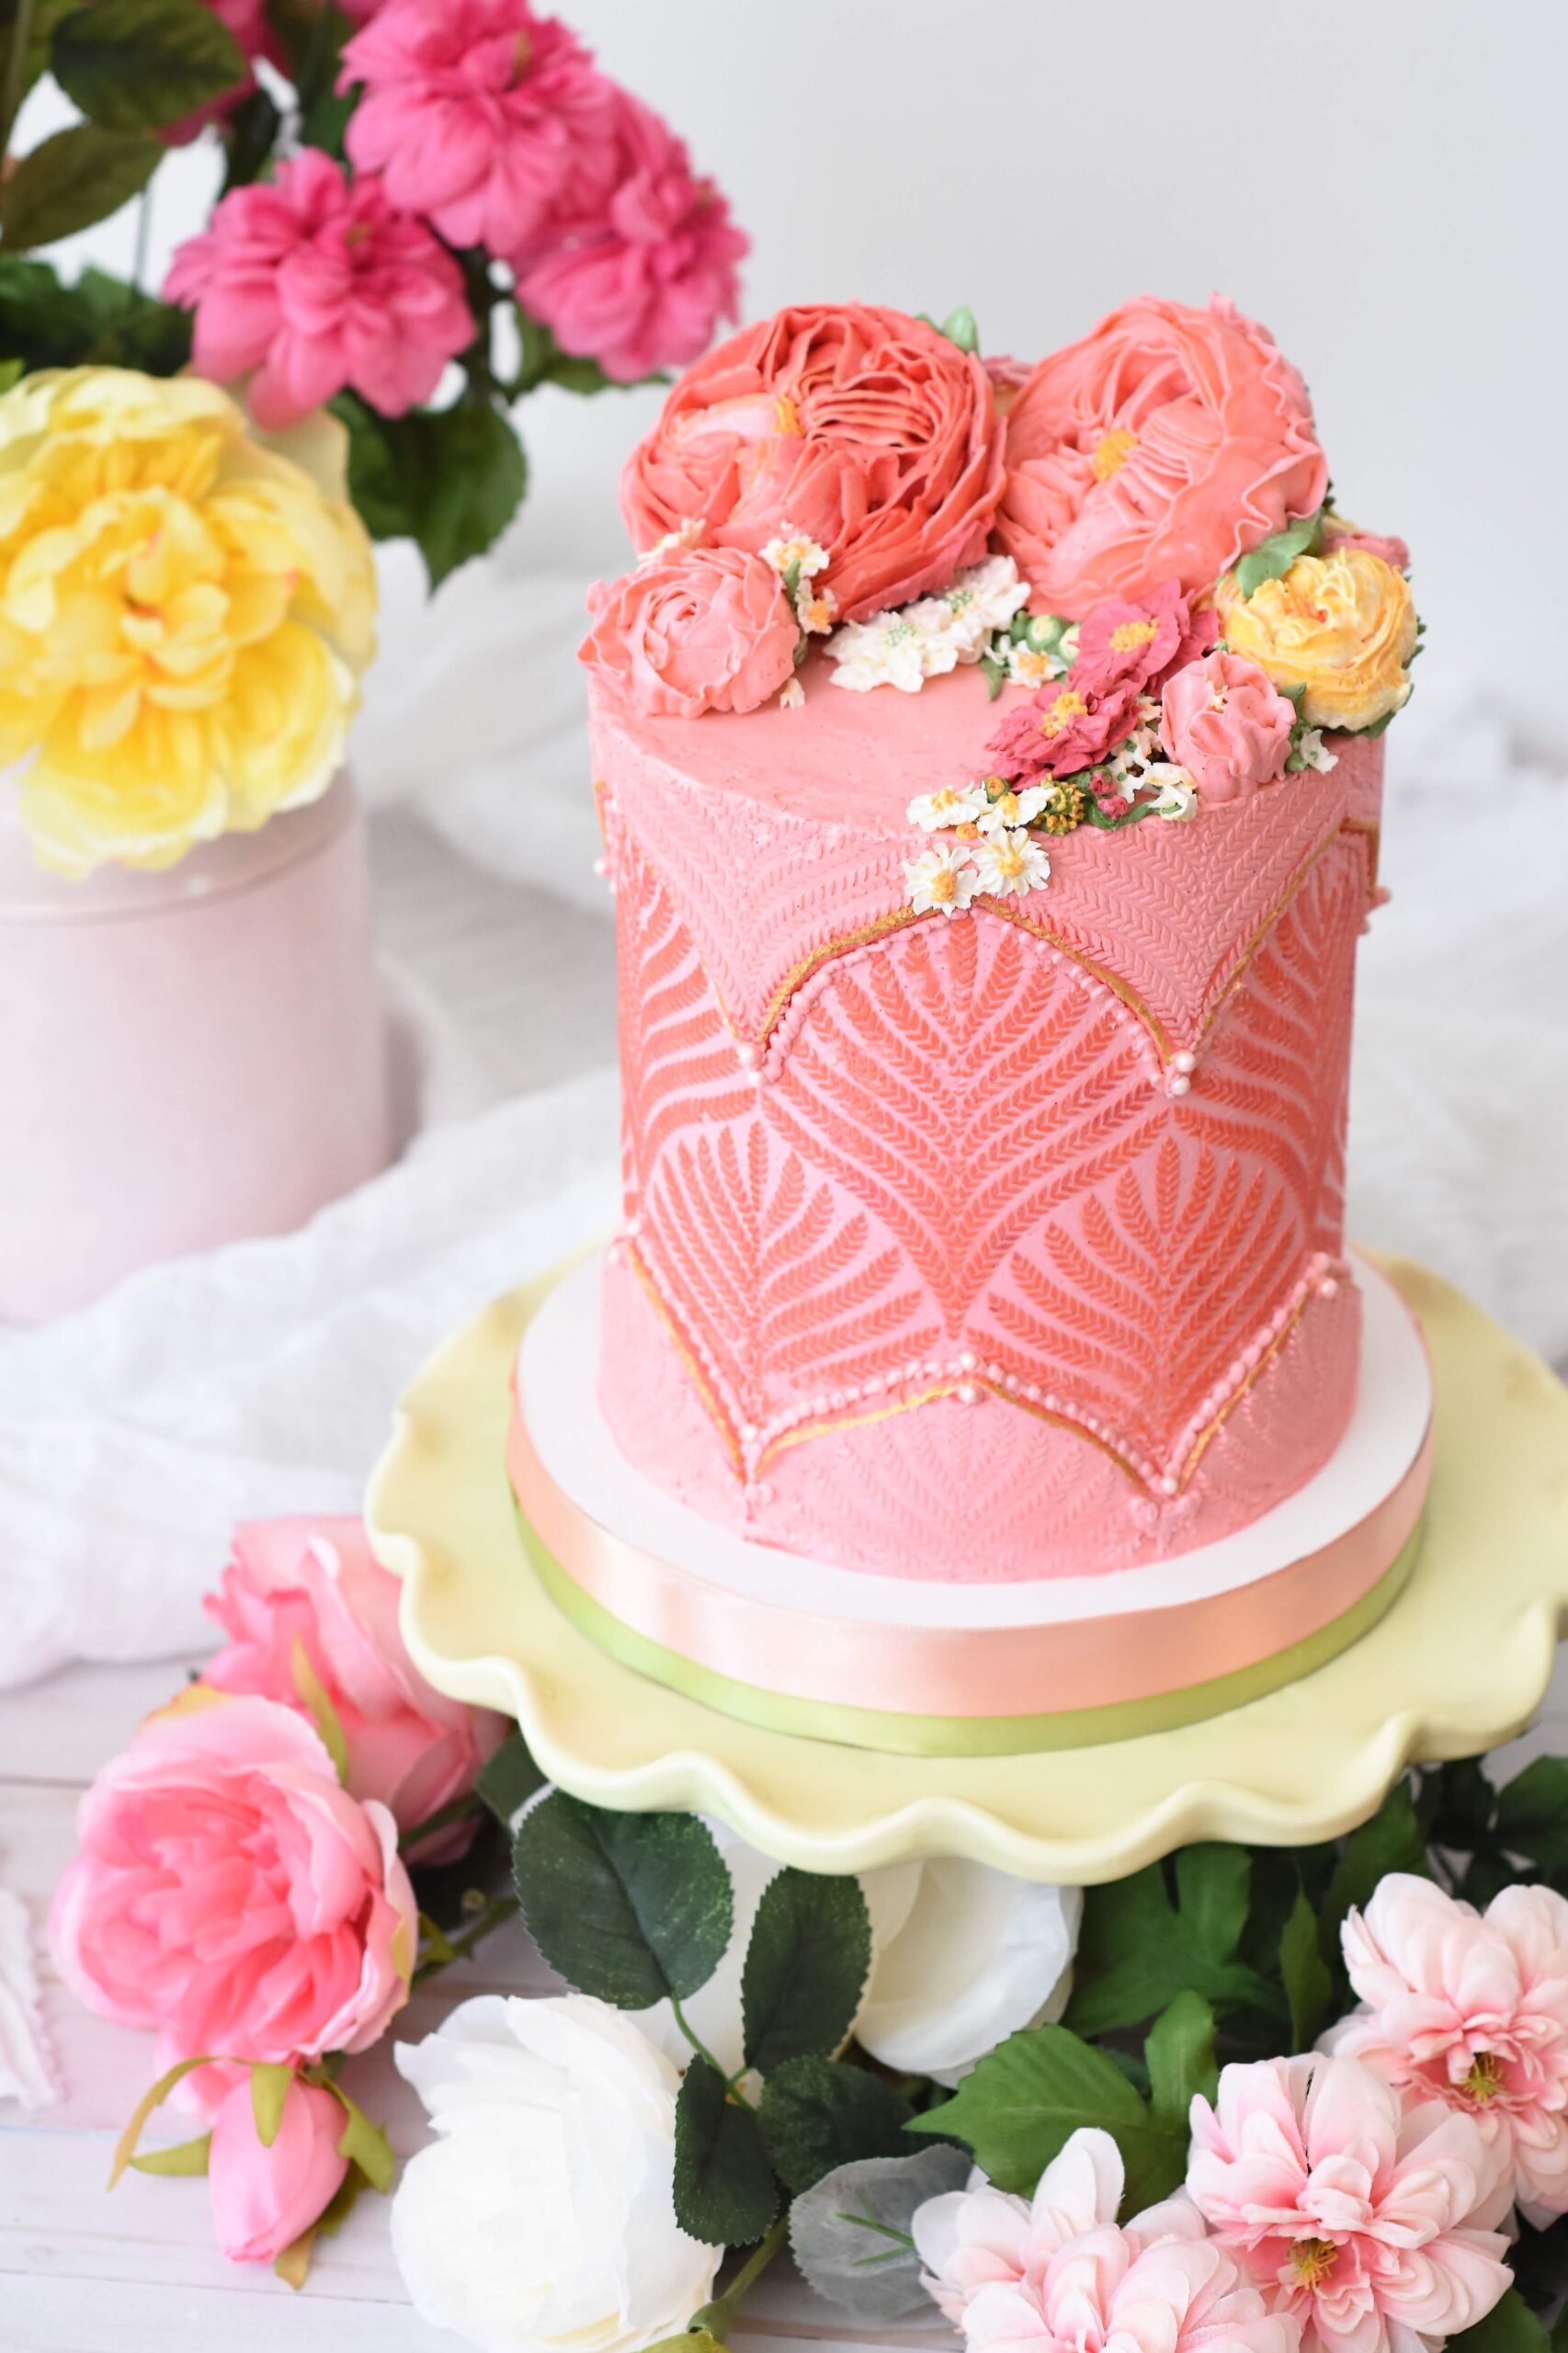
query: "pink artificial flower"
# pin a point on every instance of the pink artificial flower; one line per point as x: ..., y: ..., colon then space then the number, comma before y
x: 1227, y: 724
x: 1373, y: 2227
x: 697, y: 628
x: 228, y: 1893
x: 317, y: 1585
x: 1062, y: 729
x: 1470, y: 2008
x: 491, y: 121
x: 314, y: 281
x: 863, y: 429
x: 1140, y: 645
x: 263, y: 2199
x: 1163, y: 446
x: 1339, y: 533
x: 643, y: 285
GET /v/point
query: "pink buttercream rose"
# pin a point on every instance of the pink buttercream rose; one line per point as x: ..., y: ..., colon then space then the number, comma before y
x: 1062, y: 729
x: 865, y: 430
x: 1227, y: 724
x: 697, y: 628
x: 1470, y: 2008
x: 643, y: 285
x: 490, y: 121
x: 263, y: 2199
x: 1338, y: 531
x: 1373, y: 2226
x: 316, y: 1584
x: 230, y: 1894
x: 1164, y: 446
x: 317, y: 282
x: 1140, y: 645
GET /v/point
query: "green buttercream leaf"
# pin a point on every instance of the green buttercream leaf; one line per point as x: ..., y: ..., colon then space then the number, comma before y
x: 1272, y: 560
x: 960, y: 327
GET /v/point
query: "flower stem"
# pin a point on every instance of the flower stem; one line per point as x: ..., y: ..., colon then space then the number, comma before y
x: 717, y: 2316
x: 15, y: 84
x: 456, y: 1809
x: 732, y: 2083
x: 499, y: 1908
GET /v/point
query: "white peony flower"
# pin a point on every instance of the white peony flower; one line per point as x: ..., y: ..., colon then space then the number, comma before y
x: 937, y: 813
x: 793, y: 548
x: 1010, y: 862
x: 1018, y: 805
x: 541, y: 2214
x: 1176, y: 794
x: 940, y: 879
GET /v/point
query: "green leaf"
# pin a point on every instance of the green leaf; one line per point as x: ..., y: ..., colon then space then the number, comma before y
x: 138, y: 64
x: 635, y: 1908
x: 805, y: 1968
x: 1179, y: 2051
x: 1509, y: 2328
x: 312, y: 1691
x: 1459, y: 1806
x: 11, y: 373
x: 364, y: 2143
x: 1532, y: 1813
x: 125, y: 2147
x: 99, y: 320
x: 1272, y: 560
x: 996, y: 675
x: 851, y: 2235
x: 249, y: 138
x: 45, y: 16
x: 1018, y: 2108
x: 959, y: 326
x: 724, y: 2192
x: 269, y: 2086
x: 543, y: 361
x: 78, y: 177
x: 1138, y: 1949
x: 450, y: 479
x: 818, y: 2113
x: 509, y: 1779
x: 186, y: 2157
x: 1391, y: 1841
x: 1308, y: 1979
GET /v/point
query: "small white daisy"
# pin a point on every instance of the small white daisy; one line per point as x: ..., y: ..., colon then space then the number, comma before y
x: 938, y: 812
x: 793, y: 549
x: 1010, y: 863
x: 816, y: 609
x: 1016, y: 805
x: 940, y: 879
x: 1177, y: 795
x: 1030, y: 666
x: 899, y: 649
x: 982, y: 599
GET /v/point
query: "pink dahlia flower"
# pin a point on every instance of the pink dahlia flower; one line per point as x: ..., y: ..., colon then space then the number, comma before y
x: 1470, y: 2008
x: 316, y: 282
x: 1140, y: 643
x: 1372, y: 2226
x: 644, y: 285
x: 316, y: 1586
x: 491, y: 121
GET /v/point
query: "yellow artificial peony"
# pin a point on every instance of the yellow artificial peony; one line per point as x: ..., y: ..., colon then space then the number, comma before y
x: 1343, y: 626
x: 183, y: 616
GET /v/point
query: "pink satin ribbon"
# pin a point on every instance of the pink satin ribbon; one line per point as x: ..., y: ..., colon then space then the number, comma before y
x: 963, y: 1671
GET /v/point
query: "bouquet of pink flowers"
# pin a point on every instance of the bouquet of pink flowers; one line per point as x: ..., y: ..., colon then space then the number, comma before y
x: 430, y: 208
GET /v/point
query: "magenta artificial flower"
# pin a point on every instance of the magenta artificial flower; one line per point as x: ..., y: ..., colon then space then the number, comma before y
x: 265, y: 2196
x: 1374, y: 2226
x: 644, y: 284
x: 1062, y: 729
x: 1470, y: 2008
x: 492, y: 122
x: 314, y: 281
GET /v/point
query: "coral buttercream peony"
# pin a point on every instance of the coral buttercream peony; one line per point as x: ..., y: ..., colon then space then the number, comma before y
x: 696, y: 628
x: 316, y: 1586
x: 1226, y: 725
x: 228, y: 1893
x: 1166, y: 444
x: 642, y: 286
x: 1374, y: 2226
x: 1470, y: 2008
x: 862, y: 429
x: 182, y: 614
x: 1140, y: 645
x: 1341, y: 626
x: 491, y: 121
x: 1062, y: 729
x: 314, y: 281
x: 263, y: 2198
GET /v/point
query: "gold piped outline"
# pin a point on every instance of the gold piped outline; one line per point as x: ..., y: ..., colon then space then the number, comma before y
x: 712, y: 1403
x: 927, y: 1396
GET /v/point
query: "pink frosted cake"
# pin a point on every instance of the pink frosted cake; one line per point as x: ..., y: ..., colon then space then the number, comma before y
x: 989, y: 766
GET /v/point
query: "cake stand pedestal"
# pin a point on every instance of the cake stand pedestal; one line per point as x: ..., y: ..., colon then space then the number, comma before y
x: 1456, y: 1666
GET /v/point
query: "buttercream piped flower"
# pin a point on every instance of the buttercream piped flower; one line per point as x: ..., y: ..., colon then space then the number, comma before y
x: 1007, y: 804
x: 1010, y: 863
x: 950, y: 805
x: 1339, y: 631
x: 942, y: 880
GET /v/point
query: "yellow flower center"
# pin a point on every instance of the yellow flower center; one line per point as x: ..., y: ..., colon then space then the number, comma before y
x: 1485, y: 2078
x: 944, y: 886
x: 1066, y: 707
x: 1112, y: 453
x: 1311, y: 2260
x: 1006, y: 807
x: 1132, y: 633
x: 786, y: 418
x: 1009, y: 861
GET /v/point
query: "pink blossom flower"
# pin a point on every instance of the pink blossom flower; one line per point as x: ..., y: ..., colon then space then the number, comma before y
x: 315, y: 281
x: 228, y: 1893
x: 1470, y: 2008
x: 1140, y: 645
x: 1062, y: 729
x: 697, y: 628
x: 1340, y: 532
x: 644, y: 284
x: 1373, y: 2227
x: 1227, y: 724
x: 491, y: 121
x: 317, y: 1585
x: 263, y: 2199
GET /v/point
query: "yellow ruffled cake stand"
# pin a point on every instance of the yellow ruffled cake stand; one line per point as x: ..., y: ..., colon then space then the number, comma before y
x: 1459, y: 1663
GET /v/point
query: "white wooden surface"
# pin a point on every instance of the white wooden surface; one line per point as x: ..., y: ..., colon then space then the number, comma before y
x: 137, y: 2272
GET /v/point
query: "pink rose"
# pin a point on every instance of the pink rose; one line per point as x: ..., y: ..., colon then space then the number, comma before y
x: 1062, y: 729
x: 318, y: 1582
x: 492, y: 122
x: 316, y: 282
x: 1122, y: 643
x: 699, y: 629
x: 867, y: 431
x: 1226, y: 724
x: 1338, y: 532
x: 263, y: 2199
x: 643, y: 285
x: 228, y: 1893
x: 1164, y: 444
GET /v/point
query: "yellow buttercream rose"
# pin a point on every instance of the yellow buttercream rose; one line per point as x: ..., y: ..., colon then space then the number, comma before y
x: 1343, y: 626
x: 183, y: 616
